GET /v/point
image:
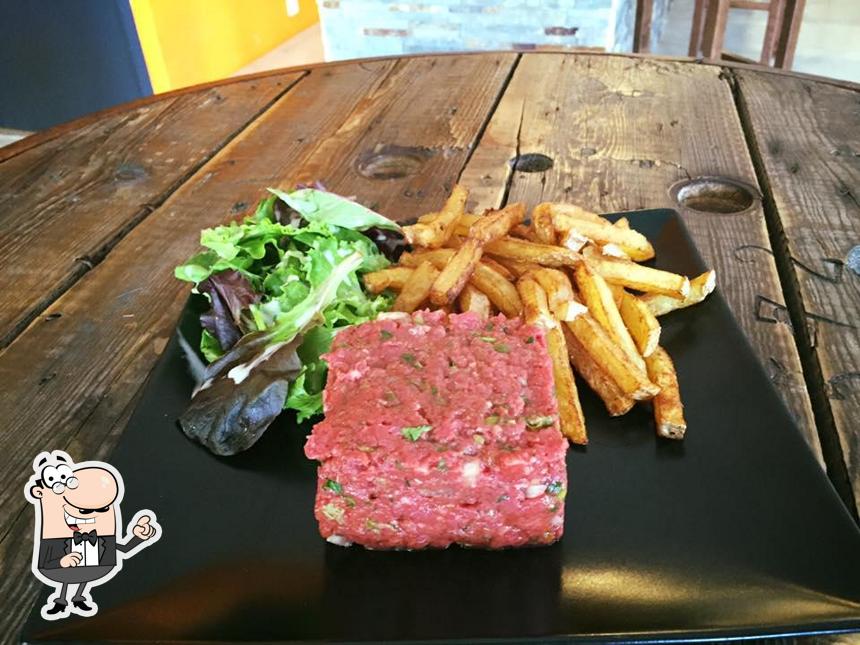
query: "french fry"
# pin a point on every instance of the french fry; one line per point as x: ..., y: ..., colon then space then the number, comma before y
x: 614, y: 251
x: 542, y: 227
x: 632, y: 381
x: 559, y: 291
x: 568, y: 211
x: 463, y: 223
x: 636, y: 276
x: 572, y: 239
x: 668, y: 409
x: 439, y: 257
x: 535, y: 305
x: 416, y: 289
x: 501, y: 293
x: 390, y: 278
x: 633, y: 243
x: 499, y: 267
x: 598, y: 297
x: 700, y: 288
x: 523, y: 232
x: 617, y: 293
x: 496, y: 224
x: 569, y: 407
x: 472, y: 299
x: 516, y: 267
x: 622, y: 222
x: 613, y: 398
x: 435, y: 233
x: 454, y: 242
x: 524, y: 251
x: 466, y: 219
x: 641, y: 323
x: 456, y: 273
x: 536, y: 311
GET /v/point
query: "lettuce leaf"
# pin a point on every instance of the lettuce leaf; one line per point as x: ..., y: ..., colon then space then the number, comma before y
x: 244, y: 391
x: 281, y: 255
x: 229, y: 293
x: 322, y: 206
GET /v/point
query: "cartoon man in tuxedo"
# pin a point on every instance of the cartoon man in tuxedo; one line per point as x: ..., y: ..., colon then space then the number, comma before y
x: 76, y: 541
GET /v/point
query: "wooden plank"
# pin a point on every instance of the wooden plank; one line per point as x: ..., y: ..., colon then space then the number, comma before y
x: 401, y: 151
x: 736, y: 58
x: 621, y: 132
x: 70, y: 380
x: 64, y: 204
x: 71, y: 377
x: 808, y: 139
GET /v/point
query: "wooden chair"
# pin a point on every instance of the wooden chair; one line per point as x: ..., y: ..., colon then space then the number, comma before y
x: 709, y: 29
x: 780, y: 39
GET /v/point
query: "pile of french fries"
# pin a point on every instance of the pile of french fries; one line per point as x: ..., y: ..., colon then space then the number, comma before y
x: 570, y: 271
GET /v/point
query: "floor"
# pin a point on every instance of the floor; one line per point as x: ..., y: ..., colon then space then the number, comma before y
x: 828, y: 26
x: 302, y: 49
x: 10, y: 136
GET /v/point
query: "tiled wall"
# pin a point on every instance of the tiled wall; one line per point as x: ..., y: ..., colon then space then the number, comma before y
x: 363, y: 28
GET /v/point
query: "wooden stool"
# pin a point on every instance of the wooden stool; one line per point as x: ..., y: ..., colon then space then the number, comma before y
x: 780, y: 38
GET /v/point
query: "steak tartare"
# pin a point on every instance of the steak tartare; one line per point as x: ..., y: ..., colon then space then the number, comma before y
x: 439, y: 429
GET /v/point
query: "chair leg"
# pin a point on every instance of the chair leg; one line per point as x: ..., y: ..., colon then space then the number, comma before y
x: 771, y: 32
x: 715, y: 28
x: 699, y: 12
x: 788, y: 33
x: 642, y: 29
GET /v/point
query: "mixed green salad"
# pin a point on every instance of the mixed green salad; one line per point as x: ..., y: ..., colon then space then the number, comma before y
x: 280, y: 284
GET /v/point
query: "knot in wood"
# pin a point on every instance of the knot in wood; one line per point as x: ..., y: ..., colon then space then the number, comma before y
x: 392, y: 161
x: 531, y: 162
x: 129, y: 172
x: 715, y: 195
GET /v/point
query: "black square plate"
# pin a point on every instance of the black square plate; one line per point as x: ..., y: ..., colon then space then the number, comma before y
x: 735, y: 531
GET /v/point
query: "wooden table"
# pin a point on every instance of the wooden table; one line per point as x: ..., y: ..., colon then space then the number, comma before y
x: 94, y: 215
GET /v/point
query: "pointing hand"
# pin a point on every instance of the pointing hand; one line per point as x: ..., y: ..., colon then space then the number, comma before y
x: 142, y: 529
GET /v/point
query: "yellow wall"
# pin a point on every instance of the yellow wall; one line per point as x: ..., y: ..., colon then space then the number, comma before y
x: 193, y: 41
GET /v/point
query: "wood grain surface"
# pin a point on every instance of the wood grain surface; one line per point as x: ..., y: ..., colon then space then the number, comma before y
x: 808, y: 139
x: 74, y: 373
x: 620, y: 133
x: 67, y: 202
x: 404, y: 146
x: 618, y: 130
x: 72, y: 376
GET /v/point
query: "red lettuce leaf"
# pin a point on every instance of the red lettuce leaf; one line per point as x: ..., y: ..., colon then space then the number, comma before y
x: 229, y: 292
x: 230, y: 411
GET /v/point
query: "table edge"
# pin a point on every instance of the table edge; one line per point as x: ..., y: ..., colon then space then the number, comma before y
x: 53, y: 132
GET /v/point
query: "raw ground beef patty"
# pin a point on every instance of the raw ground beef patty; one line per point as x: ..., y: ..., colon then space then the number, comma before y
x: 439, y: 429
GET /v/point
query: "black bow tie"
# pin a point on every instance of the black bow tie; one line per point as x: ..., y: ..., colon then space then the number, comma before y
x: 89, y: 536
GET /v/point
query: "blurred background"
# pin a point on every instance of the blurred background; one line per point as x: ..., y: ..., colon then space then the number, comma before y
x: 62, y: 59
